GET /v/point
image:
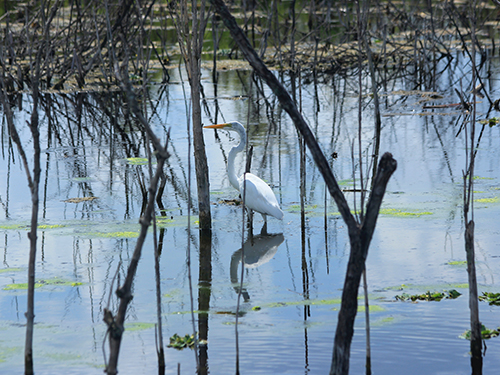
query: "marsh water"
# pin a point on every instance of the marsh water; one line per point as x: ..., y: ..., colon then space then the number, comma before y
x: 293, y: 276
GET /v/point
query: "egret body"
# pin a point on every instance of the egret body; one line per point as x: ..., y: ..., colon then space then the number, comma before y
x: 258, y: 195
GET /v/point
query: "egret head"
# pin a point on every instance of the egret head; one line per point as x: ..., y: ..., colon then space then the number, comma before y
x: 233, y: 125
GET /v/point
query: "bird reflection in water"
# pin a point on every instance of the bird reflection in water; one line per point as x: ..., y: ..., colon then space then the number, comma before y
x: 257, y: 250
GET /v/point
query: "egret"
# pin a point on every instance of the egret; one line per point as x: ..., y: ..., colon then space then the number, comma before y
x: 258, y: 195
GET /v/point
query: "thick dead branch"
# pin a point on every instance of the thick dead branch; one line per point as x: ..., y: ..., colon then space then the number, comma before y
x: 359, y: 236
x: 124, y: 292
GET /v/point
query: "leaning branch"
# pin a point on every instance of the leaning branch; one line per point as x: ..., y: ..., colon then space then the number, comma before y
x: 359, y: 235
x: 124, y: 292
x: 290, y: 107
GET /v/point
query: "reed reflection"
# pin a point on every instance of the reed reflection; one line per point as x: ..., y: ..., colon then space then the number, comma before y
x: 256, y: 251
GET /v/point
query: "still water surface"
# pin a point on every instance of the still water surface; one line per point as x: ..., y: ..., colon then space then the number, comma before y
x: 294, y: 276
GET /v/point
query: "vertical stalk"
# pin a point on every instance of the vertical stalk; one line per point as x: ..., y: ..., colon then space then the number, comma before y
x: 475, y: 340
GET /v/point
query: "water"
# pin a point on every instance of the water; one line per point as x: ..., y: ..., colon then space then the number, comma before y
x: 293, y: 279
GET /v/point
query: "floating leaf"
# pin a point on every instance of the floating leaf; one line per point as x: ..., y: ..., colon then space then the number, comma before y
x: 428, y: 296
x: 491, y: 298
x: 486, y: 333
x: 179, y: 343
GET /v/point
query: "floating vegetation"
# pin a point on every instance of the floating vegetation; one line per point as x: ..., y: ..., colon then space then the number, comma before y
x: 118, y: 234
x: 307, y: 208
x: 4, y: 270
x: 487, y: 200
x: 428, y: 296
x: 457, y: 263
x: 179, y: 343
x: 175, y: 221
x: 482, y: 178
x: 80, y: 199
x: 486, y: 333
x: 138, y: 161
x: 424, y: 288
x: 400, y: 213
x: 491, y: 298
x: 490, y: 121
x: 14, y: 226
x: 47, y: 226
x: 371, y: 308
x: 230, y: 202
x: 42, y: 282
x: 139, y: 326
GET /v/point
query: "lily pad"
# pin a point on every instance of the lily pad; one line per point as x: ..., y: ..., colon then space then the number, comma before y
x: 179, y: 343
x: 486, y: 333
x: 491, y: 298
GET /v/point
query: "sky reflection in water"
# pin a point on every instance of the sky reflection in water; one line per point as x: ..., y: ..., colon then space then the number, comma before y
x: 297, y: 281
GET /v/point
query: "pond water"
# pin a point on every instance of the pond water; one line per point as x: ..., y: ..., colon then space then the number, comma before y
x: 293, y: 276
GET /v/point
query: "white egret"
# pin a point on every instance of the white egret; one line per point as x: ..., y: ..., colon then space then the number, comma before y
x: 258, y: 196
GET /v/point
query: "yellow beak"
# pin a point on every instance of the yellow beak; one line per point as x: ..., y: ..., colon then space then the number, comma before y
x: 217, y: 126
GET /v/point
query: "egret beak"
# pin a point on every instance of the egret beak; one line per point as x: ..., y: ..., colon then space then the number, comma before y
x: 217, y: 126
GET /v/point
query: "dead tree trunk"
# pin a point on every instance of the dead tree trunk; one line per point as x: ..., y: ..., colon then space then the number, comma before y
x: 360, y: 235
x: 191, y: 43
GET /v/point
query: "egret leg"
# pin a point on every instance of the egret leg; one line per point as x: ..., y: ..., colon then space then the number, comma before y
x: 263, y: 231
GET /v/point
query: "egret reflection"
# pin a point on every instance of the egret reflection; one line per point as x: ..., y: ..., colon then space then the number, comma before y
x: 257, y: 250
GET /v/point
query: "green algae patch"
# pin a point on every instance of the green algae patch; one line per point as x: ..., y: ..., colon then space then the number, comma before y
x: 41, y: 283
x: 371, y: 308
x: 138, y: 161
x: 175, y: 221
x: 313, y: 302
x: 457, y: 263
x: 138, y: 326
x: 118, y: 234
x: 4, y: 270
x: 14, y: 226
x: 295, y: 208
x: 487, y: 200
x: 399, y: 213
x: 47, y: 226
